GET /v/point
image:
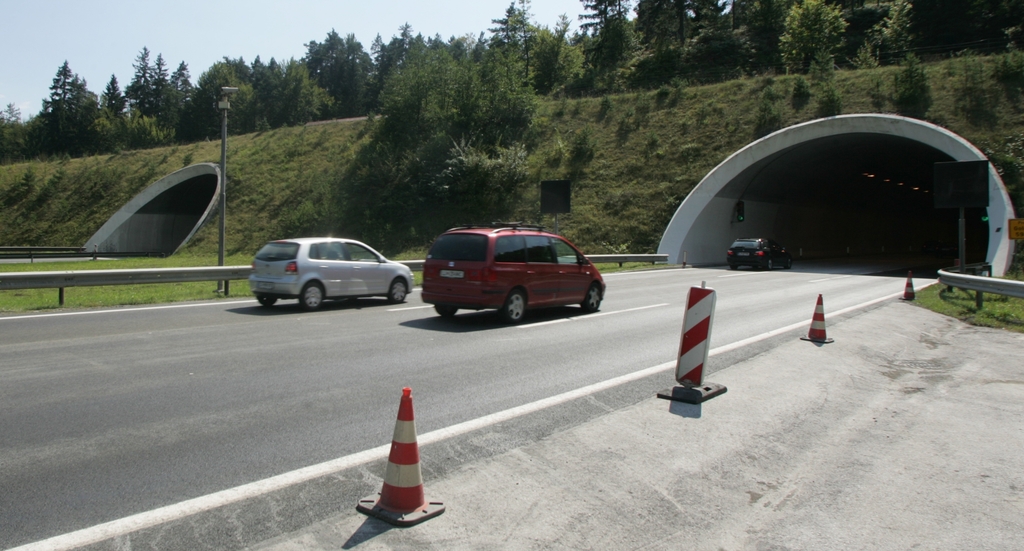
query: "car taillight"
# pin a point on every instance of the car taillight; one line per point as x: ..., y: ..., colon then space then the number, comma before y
x: 489, y: 275
x: 730, y: 253
x: 291, y: 268
x: 760, y: 253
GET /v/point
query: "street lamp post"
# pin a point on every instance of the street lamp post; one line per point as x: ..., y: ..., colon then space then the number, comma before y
x: 224, y: 105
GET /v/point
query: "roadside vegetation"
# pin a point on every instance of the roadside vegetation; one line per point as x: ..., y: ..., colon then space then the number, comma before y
x: 997, y: 311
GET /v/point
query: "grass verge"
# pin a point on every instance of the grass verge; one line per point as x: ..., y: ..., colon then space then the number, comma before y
x: 998, y: 311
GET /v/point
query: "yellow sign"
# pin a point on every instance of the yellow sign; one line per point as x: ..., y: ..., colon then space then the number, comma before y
x: 1016, y: 228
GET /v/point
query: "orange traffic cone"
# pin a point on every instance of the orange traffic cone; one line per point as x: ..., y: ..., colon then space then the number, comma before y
x: 908, y: 291
x: 817, y: 332
x: 400, y: 501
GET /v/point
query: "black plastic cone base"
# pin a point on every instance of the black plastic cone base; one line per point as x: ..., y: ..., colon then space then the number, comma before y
x: 692, y: 395
x: 368, y: 506
x: 819, y: 341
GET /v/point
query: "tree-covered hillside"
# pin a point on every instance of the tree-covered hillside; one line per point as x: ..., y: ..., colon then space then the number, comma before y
x: 620, y: 46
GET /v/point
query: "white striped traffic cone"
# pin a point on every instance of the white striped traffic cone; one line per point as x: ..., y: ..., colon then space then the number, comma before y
x: 817, y: 331
x: 400, y: 501
x: 908, y: 291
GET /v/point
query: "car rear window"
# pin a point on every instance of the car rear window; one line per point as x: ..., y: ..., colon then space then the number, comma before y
x: 745, y: 243
x: 278, y: 250
x: 459, y: 246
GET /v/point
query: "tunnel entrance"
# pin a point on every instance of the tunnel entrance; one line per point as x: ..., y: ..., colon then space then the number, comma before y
x: 847, y: 186
x: 164, y: 216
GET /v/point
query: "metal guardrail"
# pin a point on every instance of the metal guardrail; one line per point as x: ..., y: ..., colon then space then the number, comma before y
x: 27, y: 250
x: 87, y: 278
x: 621, y: 258
x: 997, y: 286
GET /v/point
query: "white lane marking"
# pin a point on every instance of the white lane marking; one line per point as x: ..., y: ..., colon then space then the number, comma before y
x: 140, y: 309
x: 589, y: 316
x: 648, y: 273
x: 410, y: 308
x: 829, y: 279
x: 744, y: 274
x: 121, y: 310
x: 177, y: 511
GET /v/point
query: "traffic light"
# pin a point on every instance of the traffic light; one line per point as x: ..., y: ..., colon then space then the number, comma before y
x: 740, y: 216
x: 984, y: 217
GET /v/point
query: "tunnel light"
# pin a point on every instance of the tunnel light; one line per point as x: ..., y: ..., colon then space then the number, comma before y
x: 900, y: 184
x: 917, y: 188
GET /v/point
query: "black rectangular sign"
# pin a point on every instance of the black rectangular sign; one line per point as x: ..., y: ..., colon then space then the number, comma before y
x: 554, y: 196
x: 961, y: 184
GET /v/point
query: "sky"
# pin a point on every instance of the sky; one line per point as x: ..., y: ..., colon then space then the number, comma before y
x: 103, y: 38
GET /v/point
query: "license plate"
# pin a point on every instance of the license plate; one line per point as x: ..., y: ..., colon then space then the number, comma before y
x: 742, y: 254
x: 265, y: 285
x: 454, y: 274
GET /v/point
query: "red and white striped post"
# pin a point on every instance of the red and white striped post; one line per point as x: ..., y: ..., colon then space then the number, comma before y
x: 400, y: 501
x: 693, y: 350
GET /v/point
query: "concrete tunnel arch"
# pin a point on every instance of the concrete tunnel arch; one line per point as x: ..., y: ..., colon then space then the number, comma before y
x: 164, y: 216
x: 879, y: 198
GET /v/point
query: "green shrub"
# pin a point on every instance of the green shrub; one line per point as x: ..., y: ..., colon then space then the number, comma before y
x: 801, y: 93
x: 830, y: 100
x: 911, y: 92
x: 769, y: 116
x: 1009, y: 68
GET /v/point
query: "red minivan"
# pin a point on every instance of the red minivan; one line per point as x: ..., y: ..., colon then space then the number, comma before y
x: 508, y: 267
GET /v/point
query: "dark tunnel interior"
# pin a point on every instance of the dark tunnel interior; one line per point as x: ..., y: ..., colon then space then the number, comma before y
x: 162, y: 224
x: 870, y: 193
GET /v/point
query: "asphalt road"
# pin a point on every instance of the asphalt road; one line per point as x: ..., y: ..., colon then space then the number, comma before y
x: 107, y: 413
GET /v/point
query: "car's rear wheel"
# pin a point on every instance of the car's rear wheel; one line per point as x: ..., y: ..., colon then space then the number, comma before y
x: 265, y: 300
x: 770, y: 265
x: 397, y: 291
x: 789, y: 263
x: 592, y: 302
x: 733, y: 267
x: 445, y: 311
x: 312, y: 296
x: 514, y: 308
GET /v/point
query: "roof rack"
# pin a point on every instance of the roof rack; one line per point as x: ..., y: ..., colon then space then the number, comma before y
x: 498, y: 226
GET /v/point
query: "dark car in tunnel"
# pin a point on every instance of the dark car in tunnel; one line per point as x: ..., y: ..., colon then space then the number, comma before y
x: 758, y: 253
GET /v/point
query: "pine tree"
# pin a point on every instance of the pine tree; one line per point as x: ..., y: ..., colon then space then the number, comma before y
x: 140, y: 91
x: 112, y: 100
x: 159, y: 93
x: 608, y: 22
x: 68, y: 114
x: 514, y: 33
x: 341, y: 67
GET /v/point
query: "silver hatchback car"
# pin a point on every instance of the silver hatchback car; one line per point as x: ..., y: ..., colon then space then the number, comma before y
x: 312, y: 269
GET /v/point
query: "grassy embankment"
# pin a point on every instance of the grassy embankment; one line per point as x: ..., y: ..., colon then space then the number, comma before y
x: 632, y: 159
